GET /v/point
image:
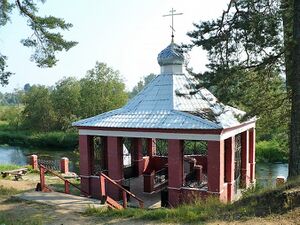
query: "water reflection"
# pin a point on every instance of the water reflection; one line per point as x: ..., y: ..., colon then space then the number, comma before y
x: 266, y: 173
x: 19, y: 156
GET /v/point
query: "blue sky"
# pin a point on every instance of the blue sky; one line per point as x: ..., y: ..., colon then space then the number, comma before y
x: 127, y: 35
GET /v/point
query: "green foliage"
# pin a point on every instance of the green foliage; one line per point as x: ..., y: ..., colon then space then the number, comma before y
x: 12, y: 115
x: 13, y: 98
x: 5, y: 167
x: 66, y: 102
x: 198, y: 212
x: 57, y: 139
x: 38, y: 109
x: 141, y: 84
x: 45, y: 40
x: 195, y: 147
x: 271, y: 151
x: 101, y: 90
x: 45, y: 109
x: 4, y: 75
x: 246, y: 57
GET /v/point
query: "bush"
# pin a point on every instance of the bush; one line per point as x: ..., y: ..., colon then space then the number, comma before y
x: 270, y: 151
x: 46, y: 139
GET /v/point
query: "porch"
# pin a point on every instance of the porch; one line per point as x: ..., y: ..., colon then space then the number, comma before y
x: 172, y: 178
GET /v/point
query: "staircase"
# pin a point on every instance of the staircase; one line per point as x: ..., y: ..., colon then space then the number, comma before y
x: 104, y: 179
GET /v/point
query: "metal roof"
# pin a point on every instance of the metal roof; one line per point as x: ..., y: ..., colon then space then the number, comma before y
x: 171, y: 55
x: 166, y: 103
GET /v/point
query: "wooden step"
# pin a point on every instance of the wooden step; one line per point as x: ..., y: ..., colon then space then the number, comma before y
x: 112, y: 203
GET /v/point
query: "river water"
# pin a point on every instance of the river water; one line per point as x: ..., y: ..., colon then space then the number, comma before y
x: 19, y: 156
x: 265, y: 172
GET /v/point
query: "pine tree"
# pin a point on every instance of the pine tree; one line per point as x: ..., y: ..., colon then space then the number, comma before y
x: 259, y: 37
x: 44, y: 39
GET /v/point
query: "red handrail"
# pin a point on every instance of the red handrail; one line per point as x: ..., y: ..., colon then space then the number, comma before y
x: 103, y: 178
x: 43, y: 169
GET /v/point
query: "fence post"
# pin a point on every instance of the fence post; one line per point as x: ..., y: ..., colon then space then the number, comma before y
x: 102, y: 186
x: 64, y: 165
x: 124, y: 199
x: 34, y: 161
x: 67, y: 187
x: 42, y: 178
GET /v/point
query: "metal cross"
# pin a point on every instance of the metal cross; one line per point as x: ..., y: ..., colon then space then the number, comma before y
x: 173, y: 14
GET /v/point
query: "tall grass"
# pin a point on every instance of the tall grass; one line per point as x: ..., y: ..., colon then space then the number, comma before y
x: 255, y: 202
x: 55, y: 139
x: 200, y: 211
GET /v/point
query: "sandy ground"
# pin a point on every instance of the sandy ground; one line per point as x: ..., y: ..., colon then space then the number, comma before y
x: 25, y: 212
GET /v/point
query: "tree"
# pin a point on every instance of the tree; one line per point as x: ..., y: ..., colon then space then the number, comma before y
x: 27, y: 87
x: 66, y: 101
x: 256, y: 37
x: 45, y: 39
x: 38, y: 110
x: 101, y: 90
x: 294, y: 85
x: 141, y: 84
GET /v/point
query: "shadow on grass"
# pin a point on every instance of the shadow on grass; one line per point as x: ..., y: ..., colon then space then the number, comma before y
x: 254, y: 203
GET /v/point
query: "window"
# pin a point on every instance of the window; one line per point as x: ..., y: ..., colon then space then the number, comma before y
x: 195, y: 148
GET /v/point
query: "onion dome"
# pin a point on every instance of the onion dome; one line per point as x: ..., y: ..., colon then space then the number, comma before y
x: 171, y: 55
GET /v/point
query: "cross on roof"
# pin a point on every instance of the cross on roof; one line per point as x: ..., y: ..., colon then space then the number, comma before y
x: 172, y: 15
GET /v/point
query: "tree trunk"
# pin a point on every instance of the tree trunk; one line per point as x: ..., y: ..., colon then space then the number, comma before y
x: 294, y: 160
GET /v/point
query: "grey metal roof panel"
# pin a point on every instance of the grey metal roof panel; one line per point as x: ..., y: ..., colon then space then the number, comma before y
x: 166, y: 103
x: 146, y: 119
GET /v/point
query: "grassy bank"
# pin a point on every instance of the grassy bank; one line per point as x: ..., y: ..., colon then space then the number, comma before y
x: 4, y: 167
x: 55, y: 139
x: 26, y: 138
x: 255, y: 203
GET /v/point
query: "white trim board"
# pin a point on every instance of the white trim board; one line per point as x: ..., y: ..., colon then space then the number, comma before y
x: 160, y: 135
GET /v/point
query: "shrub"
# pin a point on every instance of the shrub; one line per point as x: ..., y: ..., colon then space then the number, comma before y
x: 270, y: 151
x: 32, y: 139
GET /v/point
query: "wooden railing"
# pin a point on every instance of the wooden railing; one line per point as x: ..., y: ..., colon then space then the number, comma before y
x: 115, y: 204
x: 67, y: 184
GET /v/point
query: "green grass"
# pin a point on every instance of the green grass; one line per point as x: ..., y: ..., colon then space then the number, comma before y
x: 255, y: 202
x: 6, y: 219
x: 5, y: 167
x: 7, y: 192
x: 55, y: 139
x: 59, y: 186
x: 200, y: 211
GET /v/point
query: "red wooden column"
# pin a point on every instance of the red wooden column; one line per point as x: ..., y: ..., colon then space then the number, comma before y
x: 85, y: 163
x: 137, y: 156
x: 252, y: 154
x: 115, y: 165
x: 229, y: 167
x: 245, y: 160
x: 175, y: 171
x: 151, y: 147
x: 215, y: 169
x: 104, y: 153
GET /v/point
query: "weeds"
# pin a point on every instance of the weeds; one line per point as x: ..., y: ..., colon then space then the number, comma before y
x: 255, y: 202
x: 6, y: 192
